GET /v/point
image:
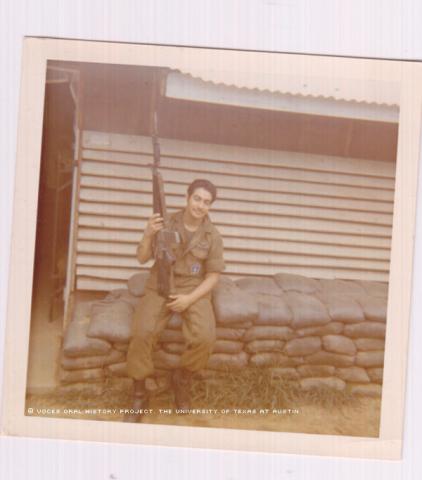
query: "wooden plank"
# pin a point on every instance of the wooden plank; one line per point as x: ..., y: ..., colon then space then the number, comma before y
x: 243, y: 183
x: 99, y: 260
x: 259, y: 259
x: 249, y: 234
x: 139, y: 187
x: 358, y: 236
x: 96, y: 285
x: 228, y: 153
x: 104, y: 156
x: 178, y: 202
x: 284, y: 216
x: 246, y: 170
x: 251, y: 246
x: 303, y: 161
x: 318, y: 216
x: 115, y: 273
x: 245, y: 219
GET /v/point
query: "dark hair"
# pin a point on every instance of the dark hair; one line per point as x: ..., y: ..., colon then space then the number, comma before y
x: 206, y: 185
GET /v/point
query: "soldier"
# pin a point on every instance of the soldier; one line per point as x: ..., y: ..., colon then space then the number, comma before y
x: 199, y: 261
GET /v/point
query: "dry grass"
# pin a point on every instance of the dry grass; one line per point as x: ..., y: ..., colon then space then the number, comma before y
x: 247, y: 389
x: 260, y: 388
x: 320, y: 411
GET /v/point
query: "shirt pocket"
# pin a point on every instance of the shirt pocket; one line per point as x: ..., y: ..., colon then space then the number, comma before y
x: 201, y: 250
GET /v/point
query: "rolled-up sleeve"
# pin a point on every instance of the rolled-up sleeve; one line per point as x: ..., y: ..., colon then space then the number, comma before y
x: 215, y: 260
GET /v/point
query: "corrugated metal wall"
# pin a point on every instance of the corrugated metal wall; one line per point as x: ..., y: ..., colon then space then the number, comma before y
x: 323, y: 217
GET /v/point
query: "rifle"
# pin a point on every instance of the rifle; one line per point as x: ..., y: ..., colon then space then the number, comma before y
x: 166, y: 237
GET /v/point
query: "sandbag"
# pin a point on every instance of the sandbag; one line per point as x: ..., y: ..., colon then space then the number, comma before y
x: 365, y: 330
x: 341, y: 287
x: 263, y: 332
x: 117, y: 370
x: 342, y: 308
x: 273, y: 310
x: 374, y: 308
x: 332, y: 383
x: 81, y: 310
x: 111, y: 321
x: 328, y: 358
x: 96, y: 361
x: 128, y: 297
x: 332, y: 328
x: 353, y: 374
x: 122, y: 294
x: 233, y: 305
x: 257, y: 285
x: 375, y: 289
x: 227, y: 333
x: 307, y: 310
x: 273, y: 359
x: 368, y: 344
x: 225, y: 361
x: 375, y: 374
x: 227, y: 346
x: 136, y: 283
x: 75, y: 376
x: 370, y: 359
x: 121, y: 347
x: 77, y: 344
x: 257, y: 346
x: 316, y: 370
x: 296, y: 283
x: 115, y: 294
x: 302, y: 346
x: 238, y: 325
x: 224, y: 282
x: 366, y: 390
x: 339, y: 344
x: 176, y: 348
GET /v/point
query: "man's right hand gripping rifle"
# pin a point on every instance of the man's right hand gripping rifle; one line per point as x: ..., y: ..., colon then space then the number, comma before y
x: 159, y: 240
x: 164, y: 241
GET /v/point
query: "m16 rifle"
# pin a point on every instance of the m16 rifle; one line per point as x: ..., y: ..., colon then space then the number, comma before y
x: 166, y: 238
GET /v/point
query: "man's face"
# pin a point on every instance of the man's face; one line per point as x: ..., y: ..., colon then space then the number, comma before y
x: 199, y: 203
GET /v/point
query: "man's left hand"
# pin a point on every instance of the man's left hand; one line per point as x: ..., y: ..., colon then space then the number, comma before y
x: 179, y: 303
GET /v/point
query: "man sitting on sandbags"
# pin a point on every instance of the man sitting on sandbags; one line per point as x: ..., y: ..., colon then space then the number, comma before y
x: 196, y: 270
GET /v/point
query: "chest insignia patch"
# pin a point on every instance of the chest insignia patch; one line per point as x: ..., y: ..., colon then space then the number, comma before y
x: 195, y: 268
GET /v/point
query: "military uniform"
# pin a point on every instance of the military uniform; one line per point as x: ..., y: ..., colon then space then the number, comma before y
x: 194, y: 259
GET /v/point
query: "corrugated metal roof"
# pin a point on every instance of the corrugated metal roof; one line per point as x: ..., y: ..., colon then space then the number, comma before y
x: 330, y: 88
x: 187, y: 87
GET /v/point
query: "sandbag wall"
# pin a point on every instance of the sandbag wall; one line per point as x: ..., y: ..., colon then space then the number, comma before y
x: 322, y: 333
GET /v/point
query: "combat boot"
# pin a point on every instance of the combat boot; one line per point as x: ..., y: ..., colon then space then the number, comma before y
x: 140, y: 402
x: 181, y: 381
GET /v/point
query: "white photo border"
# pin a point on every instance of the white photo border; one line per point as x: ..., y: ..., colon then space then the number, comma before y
x: 37, y: 51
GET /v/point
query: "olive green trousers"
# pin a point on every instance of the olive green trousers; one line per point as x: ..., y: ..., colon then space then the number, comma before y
x: 150, y: 319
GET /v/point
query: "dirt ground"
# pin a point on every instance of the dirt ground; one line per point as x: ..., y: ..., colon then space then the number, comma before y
x: 331, y: 413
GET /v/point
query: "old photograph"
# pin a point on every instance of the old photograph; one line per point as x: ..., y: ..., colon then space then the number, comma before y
x: 213, y: 247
